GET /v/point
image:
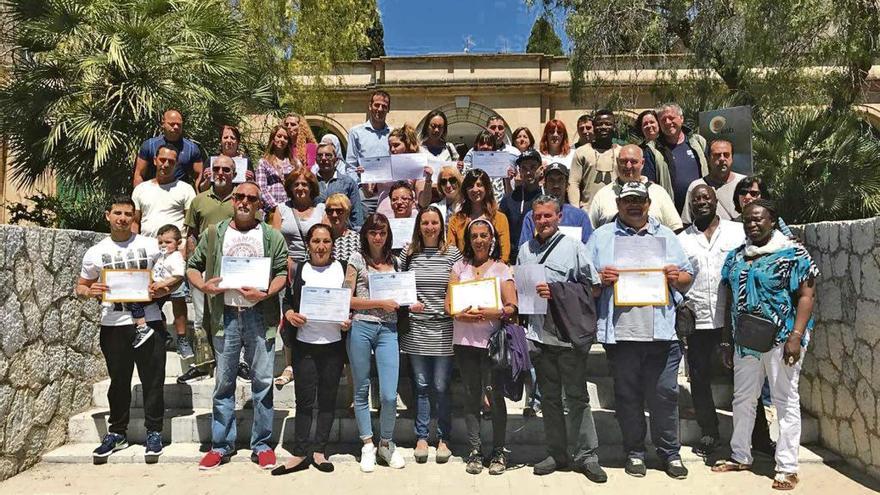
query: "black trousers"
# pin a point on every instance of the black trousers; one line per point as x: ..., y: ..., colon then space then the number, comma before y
x: 473, y: 364
x: 317, y: 369
x: 121, y: 358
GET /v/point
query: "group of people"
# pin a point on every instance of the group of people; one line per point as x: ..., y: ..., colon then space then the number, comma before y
x: 730, y: 265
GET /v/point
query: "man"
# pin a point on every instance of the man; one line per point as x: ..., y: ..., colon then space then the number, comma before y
x: 681, y: 156
x: 640, y: 341
x: 160, y: 201
x: 706, y: 242
x: 519, y: 202
x: 241, y: 317
x: 558, y: 365
x: 127, y: 250
x: 330, y: 181
x: 630, y: 162
x: 584, y: 130
x: 722, y: 178
x: 497, y: 126
x: 555, y: 184
x: 369, y: 139
x: 189, y: 159
x: 594, y: 163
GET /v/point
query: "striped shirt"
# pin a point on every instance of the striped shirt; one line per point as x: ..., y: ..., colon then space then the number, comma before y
x: 431, y: 330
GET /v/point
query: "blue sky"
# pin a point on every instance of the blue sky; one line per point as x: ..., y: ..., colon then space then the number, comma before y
x: 417, y: 27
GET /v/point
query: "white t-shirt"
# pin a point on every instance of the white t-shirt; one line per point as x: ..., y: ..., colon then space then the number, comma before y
x: 243, y: 244
x: 162, y: 204
x: 547, y: 159
x: 330, y: 276
x: 138, y: 252
x: 168, y: 265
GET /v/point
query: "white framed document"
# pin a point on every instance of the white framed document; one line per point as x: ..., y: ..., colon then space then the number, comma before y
x: 126, y: 285
x: 639, y: 251
x: 242, y: 271
x: 494, y: 163
x: 408, y: 166
x: 527, y: 298
x: 641, y: 288
x: 325, y: 304
x: 481, y: 293
x: 241, y: 164
x: 397, y: 286
x: 376, y: 169
x: 575, y: 233
x: 401, y: 231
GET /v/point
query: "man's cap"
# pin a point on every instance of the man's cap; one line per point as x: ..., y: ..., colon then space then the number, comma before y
x: 633, y: 189
x: 556, y: 167
x: 529, y: 154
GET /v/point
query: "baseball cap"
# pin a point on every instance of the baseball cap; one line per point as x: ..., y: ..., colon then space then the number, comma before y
x: 556, y: 167
x: 633, y: 189
x: 529, y: 154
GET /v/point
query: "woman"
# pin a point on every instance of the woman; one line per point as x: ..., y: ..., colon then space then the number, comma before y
x: 400, y: 140
x: 449, y: 184
x: 273, y: 168
x: 752, y: 188
x: 554, y: 146
x: 429, y: 341
x: 648, y: 129
x: 346, y: 241
x: 300, y: 136
x: 523, y: 139
x: 230, y: 141
x: 374, y: 331
x: 772, y: 277
x: 472, y: 328
x: 319, y: 356
x: 479, y: 202
x: 486, y: 141
x: 434, y: 138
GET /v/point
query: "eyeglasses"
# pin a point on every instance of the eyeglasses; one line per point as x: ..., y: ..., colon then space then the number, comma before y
x: 326, y: 155
x: 221, y: 169
x: 241, y: 197
x: 448, y: 180
x: 335, y: 211
x: 749, y: 192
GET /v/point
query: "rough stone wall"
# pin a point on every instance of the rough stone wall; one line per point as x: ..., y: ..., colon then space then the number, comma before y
x: 49, y: 349
x: 840, y: 382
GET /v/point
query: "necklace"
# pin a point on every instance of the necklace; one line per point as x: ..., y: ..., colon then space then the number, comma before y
x: 483, y: 268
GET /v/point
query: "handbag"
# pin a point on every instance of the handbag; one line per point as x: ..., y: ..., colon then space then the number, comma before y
x: 685, y: 319
x: 755, y: 332
x: 499, y: 349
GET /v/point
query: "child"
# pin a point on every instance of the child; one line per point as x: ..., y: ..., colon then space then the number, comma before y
x: 168, y: 270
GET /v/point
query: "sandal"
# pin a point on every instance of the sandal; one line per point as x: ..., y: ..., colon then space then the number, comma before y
x: 785, y: 481
x: 285, y: 377
x: 730, y: 466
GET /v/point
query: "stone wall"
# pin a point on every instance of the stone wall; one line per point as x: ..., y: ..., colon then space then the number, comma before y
x: 49, y: 341
x: 840, y: 382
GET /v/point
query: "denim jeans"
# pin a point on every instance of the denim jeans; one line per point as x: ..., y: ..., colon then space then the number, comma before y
x: 365, y: 339
x: 432, y: 377
x: 246, y: 328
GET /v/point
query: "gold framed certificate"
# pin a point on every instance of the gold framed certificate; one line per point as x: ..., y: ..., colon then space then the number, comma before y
x: 481, y: 293
x: 126, y: 285
x: 641, y: 287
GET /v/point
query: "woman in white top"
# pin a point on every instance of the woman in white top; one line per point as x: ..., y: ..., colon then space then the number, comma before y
x: 554, y: 146
x: 434, y: 138
x: 320, y: 352
x: 297, y: 215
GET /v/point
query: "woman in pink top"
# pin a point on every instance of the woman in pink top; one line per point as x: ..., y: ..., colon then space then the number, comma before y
x: 471, y: 330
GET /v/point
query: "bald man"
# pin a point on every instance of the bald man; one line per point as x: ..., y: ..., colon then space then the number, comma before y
x: 189, y: 156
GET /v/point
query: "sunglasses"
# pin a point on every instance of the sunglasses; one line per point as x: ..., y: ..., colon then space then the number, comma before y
x: 334, y: 211
x: 221, y: 169
x: 749, y: 192
x: 448, y: 180
x: 250, y: 197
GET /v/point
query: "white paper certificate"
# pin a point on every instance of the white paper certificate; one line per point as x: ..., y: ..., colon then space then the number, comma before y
x: 325, y: 304
x: 494, y: 163
x: 241, y: 164
x: 575, y: 233
x: 437, y: 165
x: 126, y: 285
x: 408, y: 166
x: 639, y: 251
x: 376, y: 169
x: 240, y: 271
x: 482, y: 293
x: 528, y: 300
x: 401, y: 231
x: 399, y: 286
x: 641, y: 288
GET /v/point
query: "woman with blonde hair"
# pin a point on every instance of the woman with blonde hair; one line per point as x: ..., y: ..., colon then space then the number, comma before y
x: 273, y: 168
x: 346, y: 241
x: 446, y: 194
x: 300, y: 135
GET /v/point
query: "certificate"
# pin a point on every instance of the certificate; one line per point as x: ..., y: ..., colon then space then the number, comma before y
x: 241, y: 271
x: 398, y: 286
x: 494, y: 163
x: 575, y: 233
x: 639, y: 252
x: 241, y: 164
x: 437, y: 165
x: 376, y: 169
x: 408, y: 166
x: 325, y: 304
x: 482, y: 293
x: 126, y: 285
x: 641, y: 288
x: 528, y: 300
x: 401, y: 231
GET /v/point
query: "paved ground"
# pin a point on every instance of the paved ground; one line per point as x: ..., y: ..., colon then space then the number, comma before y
x: 243, y: 477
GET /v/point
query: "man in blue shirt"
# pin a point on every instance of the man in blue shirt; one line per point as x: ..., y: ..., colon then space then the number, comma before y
x: 519, y: 202
x: 556, y: 185
x: 640, y: 341
x: 369, y: 139
x: 189, y: 156
x: 330, y: 181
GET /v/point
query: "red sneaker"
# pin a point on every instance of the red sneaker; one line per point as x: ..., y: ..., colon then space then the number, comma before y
x: 265, y: 458
x: 213, y: 459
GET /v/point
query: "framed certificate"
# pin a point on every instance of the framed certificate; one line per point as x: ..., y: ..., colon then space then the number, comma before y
x: 399, y: 286
x: 646, y: 287
x: 482, y: 293
x: 126, y: 285
x: 325, y: 304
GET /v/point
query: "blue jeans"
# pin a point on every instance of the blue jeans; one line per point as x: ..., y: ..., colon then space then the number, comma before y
x: 242, y: 328
x: 380, y: 338
x: 432, y: 376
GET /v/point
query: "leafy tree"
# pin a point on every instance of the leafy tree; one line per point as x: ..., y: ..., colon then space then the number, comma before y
x: 376, y: 35
x: 543, y: 38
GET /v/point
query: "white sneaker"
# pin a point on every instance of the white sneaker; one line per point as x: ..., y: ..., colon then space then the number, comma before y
x: 368, y: 458
x: 389, y: 453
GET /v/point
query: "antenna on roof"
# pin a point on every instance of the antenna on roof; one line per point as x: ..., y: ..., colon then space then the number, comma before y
x: 468, y: 43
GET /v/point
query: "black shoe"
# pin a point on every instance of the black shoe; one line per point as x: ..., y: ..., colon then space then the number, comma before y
x: 244, y: 372
x: 282, y: 469
x: 675, y: 469
x: 546, y: 466
x: 768, y: 448
x: 593, y: 471
x: 529, y: 412
x: 707, y: 445
x: 153, y: 447
x: 191, y: 374
x: 110, y: 444
x: 635, y: 467
x: 325, y: 467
